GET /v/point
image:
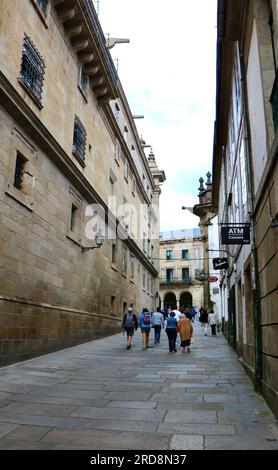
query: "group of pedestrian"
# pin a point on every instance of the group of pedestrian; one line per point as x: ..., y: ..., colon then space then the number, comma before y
x: 208, y: 319
x: 174, y: 323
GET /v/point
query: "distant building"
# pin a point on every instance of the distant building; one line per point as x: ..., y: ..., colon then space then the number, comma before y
x: 181, y: 268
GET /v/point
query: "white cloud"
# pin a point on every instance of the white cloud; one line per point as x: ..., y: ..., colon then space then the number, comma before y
x: 168, y: 74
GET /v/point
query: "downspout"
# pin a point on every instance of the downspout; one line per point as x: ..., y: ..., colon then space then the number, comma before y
x: 254, y: 256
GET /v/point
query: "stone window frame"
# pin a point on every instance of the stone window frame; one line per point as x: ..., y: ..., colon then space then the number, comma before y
x: 124, y: 260
x: 83, y: 89
x: 76, y: 201
x: 126, y: 170
x: 43, y: 15
x: 32, y: 68
x: 79, y: 141
x: 22, y: 145
x: 114, y: 263
x: 118, y: 152
x: 133, y: 185
x: 132, y: 267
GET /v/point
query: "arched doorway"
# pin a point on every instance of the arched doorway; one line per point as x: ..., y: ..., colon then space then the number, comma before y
x: 186, y: 300
x: 170, y: 300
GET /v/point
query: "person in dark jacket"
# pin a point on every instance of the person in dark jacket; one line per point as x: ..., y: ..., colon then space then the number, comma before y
x: 130, y: 323
x: 171, y: 330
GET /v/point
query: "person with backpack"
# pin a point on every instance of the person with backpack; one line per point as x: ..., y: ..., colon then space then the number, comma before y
x: 171, y: 330
x: 157, y: 324
x: 129, y: 324
x: 145, y: 325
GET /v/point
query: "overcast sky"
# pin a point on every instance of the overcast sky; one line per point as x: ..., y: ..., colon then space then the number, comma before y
x: 168, y: 73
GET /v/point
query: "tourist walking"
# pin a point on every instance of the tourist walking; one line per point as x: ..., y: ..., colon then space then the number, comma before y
x: 212, y: 322
x: 145, y: 325
x: 171, y: 330
x: 157, y: 323
x: 185, y: 330
x: 205, y: 321
x: 130, y: 323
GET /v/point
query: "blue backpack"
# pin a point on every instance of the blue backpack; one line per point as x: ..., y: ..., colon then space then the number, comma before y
x: 129, y: 321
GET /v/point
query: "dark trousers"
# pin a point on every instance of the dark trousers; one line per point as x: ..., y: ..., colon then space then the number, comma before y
x: 172, y: 336
x: 157, y: 330
x: 213, y: 331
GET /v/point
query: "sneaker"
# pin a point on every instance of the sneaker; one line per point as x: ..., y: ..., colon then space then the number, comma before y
x: 188, y: 350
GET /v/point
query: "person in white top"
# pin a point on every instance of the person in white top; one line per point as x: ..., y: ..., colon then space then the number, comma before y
x: 212, y: 322
x: 157, y: 323
x: 178, y: 314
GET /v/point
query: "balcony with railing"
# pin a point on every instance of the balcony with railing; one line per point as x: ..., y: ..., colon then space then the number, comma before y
x: 176, y: 280
x: 83, y: 29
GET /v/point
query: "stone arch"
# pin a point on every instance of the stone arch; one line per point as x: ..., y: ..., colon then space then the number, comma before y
x: 170, y: 299
x: 186, y: 299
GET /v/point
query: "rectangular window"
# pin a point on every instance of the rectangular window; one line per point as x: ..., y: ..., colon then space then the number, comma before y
x: 126, y: 170
x: 73, y: 218
x: 117, y: 111
x: 132, y: 266
x: 169, y: 254
x: 125, y: 133
x: 185, y: 274
x: 117, y: 152
x: 169, y: 275
x: 18, y: 173
x: 132, y: 151
x: 83, y: 81
x: 114, y: 252
x: 144, y: 280
x: 124, y: 259
x: 133, y: 185
x: 32, y: 69
x: 184, y: 254
x: 79, y: 139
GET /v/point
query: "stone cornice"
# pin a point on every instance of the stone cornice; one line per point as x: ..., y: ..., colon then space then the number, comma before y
x: 119, y: 135
x: 23, y: 114
x: 124, y: 102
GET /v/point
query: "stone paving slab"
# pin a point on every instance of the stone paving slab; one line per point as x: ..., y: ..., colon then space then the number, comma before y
x: 28, y: 433
x: 100, y: 396
x: 191, y: 417
x: 147, y: 405
x: 40, y: 409
x: 198, y: 428
x: 122, y: 425
x: 184, y: 442
x: 108, y: 439
x: 119, y: 414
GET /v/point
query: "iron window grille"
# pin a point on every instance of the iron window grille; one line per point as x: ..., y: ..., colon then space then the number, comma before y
x: 18, y: 174
x: 79, y: 139
x: 32, y: 68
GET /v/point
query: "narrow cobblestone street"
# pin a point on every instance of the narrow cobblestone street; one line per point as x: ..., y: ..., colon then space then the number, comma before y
x: 100, y: 396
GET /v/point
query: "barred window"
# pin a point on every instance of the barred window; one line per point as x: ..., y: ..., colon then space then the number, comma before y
x: 18, y: 173
x: 79, y: 139
x: 32, y: 68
